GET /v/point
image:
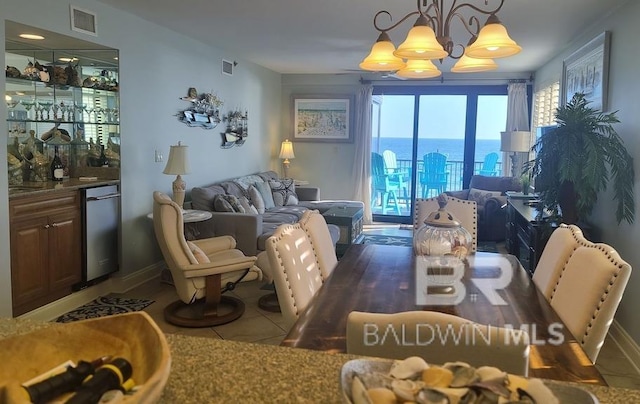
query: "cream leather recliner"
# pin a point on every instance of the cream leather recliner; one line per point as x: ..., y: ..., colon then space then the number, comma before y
x: 199, y: 269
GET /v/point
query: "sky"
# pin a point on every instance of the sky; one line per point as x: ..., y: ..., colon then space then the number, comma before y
x: 442, y: 116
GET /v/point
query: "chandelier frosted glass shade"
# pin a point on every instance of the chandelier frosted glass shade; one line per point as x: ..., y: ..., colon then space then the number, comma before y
x: 493, y: 42
x: 421, y: 43
x: 419, y: 69
x: 472, y: 65
x: 381, y: 57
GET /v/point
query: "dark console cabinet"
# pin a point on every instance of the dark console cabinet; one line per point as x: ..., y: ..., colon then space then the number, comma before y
x: 526, y: 233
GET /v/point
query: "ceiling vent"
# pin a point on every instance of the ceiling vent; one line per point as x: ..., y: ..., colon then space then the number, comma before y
x: 228, y: 66
x: 83, y: 21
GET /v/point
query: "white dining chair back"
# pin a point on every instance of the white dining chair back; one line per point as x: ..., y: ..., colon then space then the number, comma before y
x: 588, y: 293
x: 437, y: 338
x: 317, y: 230
x: 465, y: 211
x: 294, y: 269
x: 561, y: 244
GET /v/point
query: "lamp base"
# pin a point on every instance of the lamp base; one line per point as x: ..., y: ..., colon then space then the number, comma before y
x: 179, y: 188
x: 285, y: 168
x: 514, y: 163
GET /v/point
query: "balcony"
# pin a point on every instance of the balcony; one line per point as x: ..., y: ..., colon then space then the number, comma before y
x: 454, y: 183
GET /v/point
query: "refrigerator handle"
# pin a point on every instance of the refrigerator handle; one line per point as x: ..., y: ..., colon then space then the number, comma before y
x: 100, y: 198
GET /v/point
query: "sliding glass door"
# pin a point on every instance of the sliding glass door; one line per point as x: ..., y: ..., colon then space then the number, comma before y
x: 430, y: 139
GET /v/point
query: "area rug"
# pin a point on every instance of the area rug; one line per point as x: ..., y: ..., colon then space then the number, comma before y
x: 104, y: 306
x: 388, y: 240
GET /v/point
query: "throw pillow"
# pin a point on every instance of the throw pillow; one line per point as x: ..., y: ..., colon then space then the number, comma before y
x: 256, y: 199
x: 284, y: 193
x: 247, y: 206
x: 220, y: 204
x: 267, y: 196
x: 197, y: 252
x: 234, y: 202
x: 481, y: 196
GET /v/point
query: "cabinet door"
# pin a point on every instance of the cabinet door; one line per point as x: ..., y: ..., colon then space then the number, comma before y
x: 29, y: 260
x: 65, y: 249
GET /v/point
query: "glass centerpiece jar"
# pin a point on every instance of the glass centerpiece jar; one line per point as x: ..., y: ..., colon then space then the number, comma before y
x: 441, y: 246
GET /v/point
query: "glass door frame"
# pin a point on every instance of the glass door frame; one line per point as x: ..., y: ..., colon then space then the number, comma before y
x: 472, y: 92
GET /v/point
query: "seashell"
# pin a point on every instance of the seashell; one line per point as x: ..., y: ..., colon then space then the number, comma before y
x: 375, y: 379
x: 406, y: 390
x: 515, y: 383
x: 431, y: 396
x: 496, y: 387
x: 12, y: 72
x: 464, y: 376
x: 489, y: 373
x: 455, y: 396
x: 437, y: 376
x: 409, y: 368
x: 381, y: 395
x: 359, y: 393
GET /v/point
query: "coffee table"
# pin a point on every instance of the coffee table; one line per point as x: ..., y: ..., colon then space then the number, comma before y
x: 349, y: 220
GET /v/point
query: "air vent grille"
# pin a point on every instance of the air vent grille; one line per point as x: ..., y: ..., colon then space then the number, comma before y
x: 83, y: 21
x: 227, y: 67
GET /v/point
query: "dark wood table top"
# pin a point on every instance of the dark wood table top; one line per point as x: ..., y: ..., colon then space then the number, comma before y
x: 383, y: 279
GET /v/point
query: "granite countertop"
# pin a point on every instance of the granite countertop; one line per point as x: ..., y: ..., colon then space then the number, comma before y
x: 205, y: 370
x: 36, y: 188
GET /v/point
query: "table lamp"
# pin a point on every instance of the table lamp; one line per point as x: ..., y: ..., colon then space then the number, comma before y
x: 517, y: 141
x: 177, y: 164
x: 286, y: 153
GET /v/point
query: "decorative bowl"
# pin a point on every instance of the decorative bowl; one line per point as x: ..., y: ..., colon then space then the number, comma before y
x: 132, y: 336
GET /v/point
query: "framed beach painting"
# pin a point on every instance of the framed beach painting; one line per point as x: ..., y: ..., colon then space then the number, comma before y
x: 318, y: 118
x: 587, y: 71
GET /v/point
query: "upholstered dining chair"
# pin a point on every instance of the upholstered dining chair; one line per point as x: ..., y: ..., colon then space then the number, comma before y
x: 463, y: 210
x: 437, y: 338
x: 294, y: 268
x: 588, y: 293
x: 199, y: 269
x: 323, y: 245
x: 564, y: 240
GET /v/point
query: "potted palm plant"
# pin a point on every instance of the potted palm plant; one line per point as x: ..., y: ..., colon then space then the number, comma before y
x: 575, y: 161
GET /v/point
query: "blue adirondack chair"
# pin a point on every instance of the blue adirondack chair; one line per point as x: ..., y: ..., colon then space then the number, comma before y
x: 489, y: 165
x: 435, y: 175
x: 381, y: 185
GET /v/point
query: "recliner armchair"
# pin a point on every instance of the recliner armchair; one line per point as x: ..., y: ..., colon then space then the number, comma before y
x: 199, y: 269
x: 492, y: 216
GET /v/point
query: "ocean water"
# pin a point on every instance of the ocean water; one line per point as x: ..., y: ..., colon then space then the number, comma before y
x: 452, y: 148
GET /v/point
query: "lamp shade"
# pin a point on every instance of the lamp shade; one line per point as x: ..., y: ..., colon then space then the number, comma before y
x: 493, y: 42
x: 177, y: 163
x: 381, y: 57
x: 515, y: 141
x: 472, y: 65
x: 419, y: 69
x: 421, y: 43
x: 286, y: 150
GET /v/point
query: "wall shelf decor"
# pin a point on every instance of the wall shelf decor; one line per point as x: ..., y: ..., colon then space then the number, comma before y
x: 237, y: 130
x: 204, y: 111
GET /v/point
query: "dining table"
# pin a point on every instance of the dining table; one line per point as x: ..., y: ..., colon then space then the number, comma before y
x: 485, y: 288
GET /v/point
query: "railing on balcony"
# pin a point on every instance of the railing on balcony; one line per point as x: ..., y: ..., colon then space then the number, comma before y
x: 454, y: 183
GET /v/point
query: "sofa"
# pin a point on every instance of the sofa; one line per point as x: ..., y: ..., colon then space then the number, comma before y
x: 490, y: 195
x: 251, y: 229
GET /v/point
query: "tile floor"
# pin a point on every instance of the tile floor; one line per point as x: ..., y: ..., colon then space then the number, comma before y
x: 259, y: 326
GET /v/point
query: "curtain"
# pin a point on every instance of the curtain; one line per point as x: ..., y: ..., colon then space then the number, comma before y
x: 362, y: 159
x: 517, y: 119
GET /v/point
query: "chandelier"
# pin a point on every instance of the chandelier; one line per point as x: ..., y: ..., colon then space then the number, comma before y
x: 430, y: 38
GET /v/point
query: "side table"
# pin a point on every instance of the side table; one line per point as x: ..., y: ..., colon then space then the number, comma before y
x: 191, y: 216
x: 349, y: 220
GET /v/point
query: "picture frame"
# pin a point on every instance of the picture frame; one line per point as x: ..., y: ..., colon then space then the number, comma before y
x: 587, y: 71
x: 322, y: 118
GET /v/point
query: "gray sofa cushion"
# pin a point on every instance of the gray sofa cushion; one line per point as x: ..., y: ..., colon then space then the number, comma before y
x: 202, y: 197
x: 324, y: 206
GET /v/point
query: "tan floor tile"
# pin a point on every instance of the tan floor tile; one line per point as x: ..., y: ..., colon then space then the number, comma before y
x: 249, y: 329
x: 271, y: 341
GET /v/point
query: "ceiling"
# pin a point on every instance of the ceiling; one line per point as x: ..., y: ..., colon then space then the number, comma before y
x: 333, y: 36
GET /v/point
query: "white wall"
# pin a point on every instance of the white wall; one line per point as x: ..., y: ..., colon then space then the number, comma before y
x: 157, y: 66
x: 624, y: 87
